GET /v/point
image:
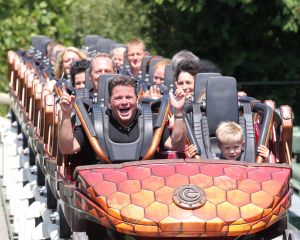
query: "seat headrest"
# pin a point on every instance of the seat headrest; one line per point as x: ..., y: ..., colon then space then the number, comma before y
x: 200, y: 83
x: 103, y: 87
x: 169, y: 76
x: 144, y: 66
x: 221, y: 102
x: 90, y: 41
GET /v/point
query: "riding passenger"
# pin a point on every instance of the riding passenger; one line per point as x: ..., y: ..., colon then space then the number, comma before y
x: 158, y: 79
x: 230, y: 138
x: 62, y: 68
x: 185, y: 74
x: 101, y: 63
x: 56, y: 49
x: 77, y: 73
x: 117, y: 55
x: 135, y: 53
x: 185, y: 80
x: 123, y: 119
x: 183, y: 55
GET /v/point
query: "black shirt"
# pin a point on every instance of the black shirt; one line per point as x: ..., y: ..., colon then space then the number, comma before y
x: 117, y: 133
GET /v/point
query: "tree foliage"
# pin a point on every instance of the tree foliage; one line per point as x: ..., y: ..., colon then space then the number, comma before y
x: 116, y: 19
x: 22, y: 19
x: 250, y: 40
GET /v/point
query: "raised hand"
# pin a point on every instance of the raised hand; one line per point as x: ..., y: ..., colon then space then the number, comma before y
x: 66, y: 101
x: 154, y: 92
x: 178, y: 100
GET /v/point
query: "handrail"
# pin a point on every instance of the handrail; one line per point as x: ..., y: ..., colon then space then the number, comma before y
x: 267, y: 124
x: 157, y: 136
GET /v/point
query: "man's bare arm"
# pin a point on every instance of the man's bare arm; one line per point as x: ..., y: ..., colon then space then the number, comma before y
x: 66, y: 142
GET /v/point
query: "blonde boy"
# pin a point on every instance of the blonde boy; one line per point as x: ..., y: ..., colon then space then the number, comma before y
x: 230, y: 139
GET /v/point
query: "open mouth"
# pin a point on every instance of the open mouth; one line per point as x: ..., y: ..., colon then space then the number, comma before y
x: 124, y: 111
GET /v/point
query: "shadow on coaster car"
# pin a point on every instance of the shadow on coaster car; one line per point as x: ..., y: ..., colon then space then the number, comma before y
x: 187, y: 198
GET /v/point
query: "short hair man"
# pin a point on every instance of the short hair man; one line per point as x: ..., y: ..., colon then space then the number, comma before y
x: 123, y: 121
x: 101, y: 63
x: 135, y: 53
x: 77, y: 73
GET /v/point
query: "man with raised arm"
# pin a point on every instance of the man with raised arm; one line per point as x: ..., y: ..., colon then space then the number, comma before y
x: 123, y: 119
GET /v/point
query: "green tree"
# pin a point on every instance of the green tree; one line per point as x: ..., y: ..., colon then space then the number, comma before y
x: 22, y: 19
x: 250, y: 40
x: 116, y: 19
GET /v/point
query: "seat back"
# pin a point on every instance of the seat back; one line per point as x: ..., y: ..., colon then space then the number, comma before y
x: 144, y: 67
x: 200, y: 83
x: 90, y: 42
x: 221, y: 102
x: 169, y: 77
x: 221, y: 105
x: 102, y: 97
x: 88, y: 81
x: 121, y: 152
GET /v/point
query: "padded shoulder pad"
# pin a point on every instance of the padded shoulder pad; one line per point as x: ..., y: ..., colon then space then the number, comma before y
x: 144, y: 66
x: 103, y: 87
x: 169, y: 76
x: 82, y: 93
x: 221, y: 101
x: 200, y: 83
x: 90, y: 41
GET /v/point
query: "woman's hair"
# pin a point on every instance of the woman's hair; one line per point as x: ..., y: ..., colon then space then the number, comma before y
x: 58, y: 69
x: 78, y: 67
x: 187, y: 65
x: 229, y: 132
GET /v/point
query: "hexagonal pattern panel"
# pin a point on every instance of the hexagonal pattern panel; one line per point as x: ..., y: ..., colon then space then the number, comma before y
x: 129, y: 186
x: 153, y: 183
x: 202, y: 181
x: 224, y: 182
x: 262, y: 199
x: 115, y: 176
x: 143, y: 198
x: 176, y: 180
x: 138, y: 197
x: 228, y: 212
x: 238, y: 198
x: 187, y: 170
x: 215, y: 195
x: 156, y: 211
x: 249, y: 186
x: 139, y: 173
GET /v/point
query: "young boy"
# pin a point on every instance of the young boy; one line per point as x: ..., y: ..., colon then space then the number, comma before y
x: 230, y: 139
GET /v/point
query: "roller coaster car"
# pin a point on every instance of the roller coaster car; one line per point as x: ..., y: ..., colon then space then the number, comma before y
x: 187, y: 198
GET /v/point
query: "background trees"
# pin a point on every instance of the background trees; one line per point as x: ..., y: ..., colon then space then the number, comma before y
x: 254, y: 41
